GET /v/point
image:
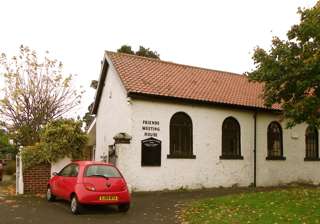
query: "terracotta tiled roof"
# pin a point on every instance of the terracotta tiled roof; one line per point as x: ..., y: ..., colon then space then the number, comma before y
x: 148, y: 76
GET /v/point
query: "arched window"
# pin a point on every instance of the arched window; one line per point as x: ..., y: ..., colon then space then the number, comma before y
x: 275, y: 145
x: 181, y: 136
x: 231, y: 145
x: 312, y: 150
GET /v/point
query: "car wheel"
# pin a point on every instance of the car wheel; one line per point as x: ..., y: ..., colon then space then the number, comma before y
x: 50, y: 196
x: 75, y: 206
x: 124, y: 207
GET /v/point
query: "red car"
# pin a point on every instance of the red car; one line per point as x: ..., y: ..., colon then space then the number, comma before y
x: 90, y: 183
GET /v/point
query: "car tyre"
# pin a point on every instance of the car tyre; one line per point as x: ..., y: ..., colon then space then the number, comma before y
x: 50, y: 196
x: 124, y: 207
x: 75, y: 205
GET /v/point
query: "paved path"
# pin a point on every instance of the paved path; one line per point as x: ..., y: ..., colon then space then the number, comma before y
x: 157, y: 207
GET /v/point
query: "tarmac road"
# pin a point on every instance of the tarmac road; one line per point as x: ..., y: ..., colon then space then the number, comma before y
x: 155, y: 207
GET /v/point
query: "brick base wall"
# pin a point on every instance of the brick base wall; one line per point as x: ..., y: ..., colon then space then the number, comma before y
x: 36, y: 178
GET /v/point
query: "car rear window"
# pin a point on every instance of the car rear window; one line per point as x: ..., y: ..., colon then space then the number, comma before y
x: 101, y: 170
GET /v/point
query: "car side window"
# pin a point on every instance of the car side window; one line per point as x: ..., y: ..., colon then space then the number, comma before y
x: 74, y: 170
x: 71, y: 170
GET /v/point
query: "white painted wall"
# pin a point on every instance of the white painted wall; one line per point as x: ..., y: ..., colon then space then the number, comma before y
x: 294, y: 168
x: 114, y: 113
x: 207, y: 170
x: 56, y: 167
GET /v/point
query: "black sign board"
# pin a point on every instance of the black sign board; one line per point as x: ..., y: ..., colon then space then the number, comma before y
x: 151, y: 152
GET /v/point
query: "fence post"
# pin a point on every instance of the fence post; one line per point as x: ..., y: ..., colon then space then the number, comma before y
x: 19, y: 175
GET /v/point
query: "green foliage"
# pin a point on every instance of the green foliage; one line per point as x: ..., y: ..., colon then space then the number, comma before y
x: 10, y: 167
x: 33, y: 155
x: 5, y: 146
x: 281, y: 206
x: 144, y: 52
x: 290, y: 70
x: 64, y: 138
x: 88, y: 117
x: 58, y: 139
x: 24, y: 134
x: 125, y: 49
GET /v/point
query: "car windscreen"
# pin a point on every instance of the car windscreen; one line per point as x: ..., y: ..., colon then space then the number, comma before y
x: 101, y: 170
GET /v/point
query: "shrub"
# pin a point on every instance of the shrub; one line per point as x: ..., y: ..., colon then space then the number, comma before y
x: 10, y: 167
x: 58, y: 139
x: 33, y: 155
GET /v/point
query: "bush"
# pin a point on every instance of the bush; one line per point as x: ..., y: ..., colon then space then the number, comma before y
x: 33, y: 155
x: 10, y: 167
x: 58, y: 139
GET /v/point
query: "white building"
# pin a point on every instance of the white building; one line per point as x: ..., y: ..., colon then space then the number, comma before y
x: 179, y: 126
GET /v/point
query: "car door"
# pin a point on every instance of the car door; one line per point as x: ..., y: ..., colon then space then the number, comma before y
x: 67, y: 180
x: 57, y: 183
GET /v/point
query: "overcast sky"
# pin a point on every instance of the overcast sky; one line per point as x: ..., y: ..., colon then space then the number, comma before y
x: 212, y: 34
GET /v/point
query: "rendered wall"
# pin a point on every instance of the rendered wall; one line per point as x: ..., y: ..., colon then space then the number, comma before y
x: 114, y: 114
x: 58, y: 166
x: 207, y: 170
x: 294, y: 168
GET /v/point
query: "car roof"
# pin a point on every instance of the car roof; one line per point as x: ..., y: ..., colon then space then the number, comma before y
x: 89, y: 162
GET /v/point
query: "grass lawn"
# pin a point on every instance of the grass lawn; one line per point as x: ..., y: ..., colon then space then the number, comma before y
x: 298, y: 205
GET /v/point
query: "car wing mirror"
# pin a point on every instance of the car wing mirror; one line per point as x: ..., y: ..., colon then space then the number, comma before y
x: 55, y: 174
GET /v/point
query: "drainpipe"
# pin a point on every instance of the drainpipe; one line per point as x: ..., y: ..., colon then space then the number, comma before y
x: 255, y: 150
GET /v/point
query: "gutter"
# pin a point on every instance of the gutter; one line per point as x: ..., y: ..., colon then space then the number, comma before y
x: 255, y: 150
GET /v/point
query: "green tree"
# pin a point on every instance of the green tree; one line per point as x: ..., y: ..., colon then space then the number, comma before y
x: 36, y: 91
x: 290, y: 70
x: 125, y: 49
x: 58, y: 139
x: 89, y: 117
x: 144, y: 52
x: 5, y: 146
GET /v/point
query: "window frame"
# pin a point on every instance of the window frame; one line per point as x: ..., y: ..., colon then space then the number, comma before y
x: 225, y: 134
x: 316, y: 134
x: 270, y: 155
x: 183, y: 154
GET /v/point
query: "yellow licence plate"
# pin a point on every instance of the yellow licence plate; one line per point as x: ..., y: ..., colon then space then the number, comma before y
x: 108, y: 198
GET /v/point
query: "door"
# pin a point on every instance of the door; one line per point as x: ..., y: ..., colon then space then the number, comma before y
x: 66, y: 181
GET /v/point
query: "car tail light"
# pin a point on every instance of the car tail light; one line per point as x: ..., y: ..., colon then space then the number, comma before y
x: 123, y: 187
x: 89, y: 187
